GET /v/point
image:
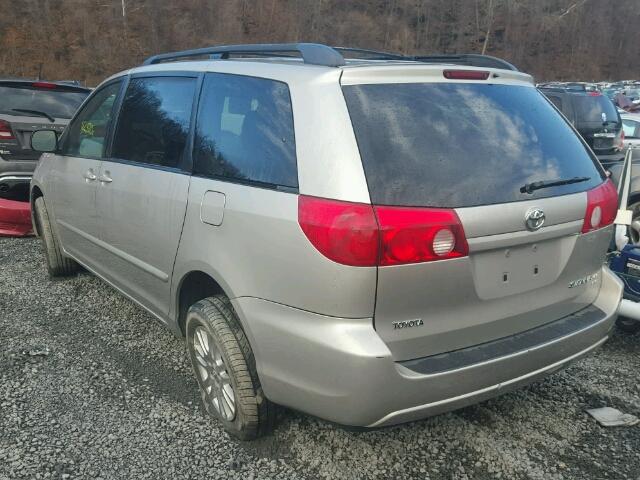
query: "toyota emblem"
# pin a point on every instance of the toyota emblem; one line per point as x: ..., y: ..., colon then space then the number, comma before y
x: 534, y: 219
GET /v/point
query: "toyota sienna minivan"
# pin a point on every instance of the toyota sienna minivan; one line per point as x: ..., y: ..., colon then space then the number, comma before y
x: 370, y: 240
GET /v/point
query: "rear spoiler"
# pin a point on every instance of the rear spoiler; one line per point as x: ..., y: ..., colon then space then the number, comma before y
x: 42, y: 85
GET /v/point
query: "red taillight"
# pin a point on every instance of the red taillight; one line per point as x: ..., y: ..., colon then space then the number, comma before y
x: 361, y: 235
x: 602, y: 207
x: 5, y: 131
x: 414, y: 235
x: 47, y: 85
x: 345, y: 232
x: 465, y: 74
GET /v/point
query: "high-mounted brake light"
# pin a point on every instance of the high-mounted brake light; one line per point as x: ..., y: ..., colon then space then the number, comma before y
x: 594, y: 94
x: 465, y: 74
x: 359, y: 234
x: 48, y: 85
x: 602, y: 207
x: 5, y: 131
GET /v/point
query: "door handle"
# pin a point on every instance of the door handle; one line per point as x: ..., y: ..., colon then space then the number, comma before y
x: 105, y: 178
x: 89, y: 175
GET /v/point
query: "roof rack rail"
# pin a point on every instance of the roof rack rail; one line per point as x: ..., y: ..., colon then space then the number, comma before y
x: 311, y: 53
x: 568, y: 86
x: 373, y: 54
x: 318, y: 54
x: 471, y: 59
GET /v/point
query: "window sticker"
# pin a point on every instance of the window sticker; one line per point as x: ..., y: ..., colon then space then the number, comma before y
x: 87, y: 128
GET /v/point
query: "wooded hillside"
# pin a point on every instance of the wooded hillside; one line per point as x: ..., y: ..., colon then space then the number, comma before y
x: 552, y: 39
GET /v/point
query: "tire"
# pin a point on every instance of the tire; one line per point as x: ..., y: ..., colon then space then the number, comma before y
x: 628, y: 325
x: 634, y: 228
x: 57, y: 264
x: 222, y: 359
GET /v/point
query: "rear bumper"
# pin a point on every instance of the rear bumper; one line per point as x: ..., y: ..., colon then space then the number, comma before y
x: 340, y: 370
x: 15, y: 218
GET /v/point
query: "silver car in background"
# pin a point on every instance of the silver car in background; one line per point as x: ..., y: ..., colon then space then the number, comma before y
x: 372, y: 240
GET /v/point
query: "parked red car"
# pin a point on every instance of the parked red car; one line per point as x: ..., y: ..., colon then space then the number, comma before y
x: 15, y: 218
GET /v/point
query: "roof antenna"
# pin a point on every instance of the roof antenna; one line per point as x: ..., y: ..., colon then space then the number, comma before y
x: 40, y: 71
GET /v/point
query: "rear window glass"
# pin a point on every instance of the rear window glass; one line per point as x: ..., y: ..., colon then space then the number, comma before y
x: 458, y: 145
x: 595, y: 109
x: 57, y: 103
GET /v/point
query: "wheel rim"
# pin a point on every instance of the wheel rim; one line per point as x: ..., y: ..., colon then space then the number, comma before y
x: 213, y: 374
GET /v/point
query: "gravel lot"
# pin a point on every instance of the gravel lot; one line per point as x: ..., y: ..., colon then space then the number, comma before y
x: 93, y: 387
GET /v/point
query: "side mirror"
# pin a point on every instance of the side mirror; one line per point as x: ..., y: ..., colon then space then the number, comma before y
x: 44, y: 141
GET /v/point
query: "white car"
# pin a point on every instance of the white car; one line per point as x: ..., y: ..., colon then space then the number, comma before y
x: 631, y: 127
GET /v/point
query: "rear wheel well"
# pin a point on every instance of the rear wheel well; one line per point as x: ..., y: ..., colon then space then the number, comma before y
x: 35, y: 194
x: 195, y: 286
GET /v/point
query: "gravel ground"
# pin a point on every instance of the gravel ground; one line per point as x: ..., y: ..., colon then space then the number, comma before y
x: 93, y: 387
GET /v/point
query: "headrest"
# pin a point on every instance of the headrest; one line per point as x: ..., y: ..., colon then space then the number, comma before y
x: 239, y: 105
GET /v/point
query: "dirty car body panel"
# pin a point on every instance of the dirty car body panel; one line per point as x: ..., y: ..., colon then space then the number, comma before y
x: 382, y: 341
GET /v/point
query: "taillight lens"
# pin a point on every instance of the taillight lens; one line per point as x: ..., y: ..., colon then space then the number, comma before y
x: 602, y: 207
x: 345, y: 232
x: 363, y: 235
x: 414, y: 235
x: 5, y: 131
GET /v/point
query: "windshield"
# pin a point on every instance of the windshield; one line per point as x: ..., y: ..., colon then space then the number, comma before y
x: 459, y: 145
x: 57, y: 103
x: 590, y: 109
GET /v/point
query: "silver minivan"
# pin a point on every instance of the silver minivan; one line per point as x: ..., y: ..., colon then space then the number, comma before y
x: 371, y: 240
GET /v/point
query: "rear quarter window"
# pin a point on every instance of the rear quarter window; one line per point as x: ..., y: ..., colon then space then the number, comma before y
x: 459, y: 145
x: 245, y: 132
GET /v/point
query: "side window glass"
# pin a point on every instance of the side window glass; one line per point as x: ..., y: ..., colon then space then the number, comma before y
x: 631, y: 128
x: 245, y: 131
x: 153, y: 125
x: 88, y: 131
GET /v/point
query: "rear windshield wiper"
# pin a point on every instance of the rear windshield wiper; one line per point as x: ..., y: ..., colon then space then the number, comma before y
x: 533, y: 186
x: 34, y: 112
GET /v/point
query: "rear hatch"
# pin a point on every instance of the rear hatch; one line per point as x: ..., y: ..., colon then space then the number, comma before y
x: 29, y: 106
x: 598, y: 122
x: 466, y: 151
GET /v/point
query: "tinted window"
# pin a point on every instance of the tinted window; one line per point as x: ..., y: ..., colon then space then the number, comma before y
x: 86, y: 135
x: 59, y: 102
x: 455, y: 145
x: 556, y: 101
x: 245, y: 131
x: 591, y: 108
x: 153, y: 125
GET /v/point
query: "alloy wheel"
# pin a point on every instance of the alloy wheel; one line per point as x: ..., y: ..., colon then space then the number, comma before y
x: 214, y: 377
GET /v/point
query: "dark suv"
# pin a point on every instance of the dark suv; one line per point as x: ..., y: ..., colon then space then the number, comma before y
x: 26, y: 106
x: 594, y: 116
